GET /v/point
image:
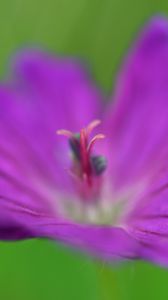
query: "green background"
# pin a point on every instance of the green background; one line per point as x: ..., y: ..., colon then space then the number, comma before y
x: 99, y: 31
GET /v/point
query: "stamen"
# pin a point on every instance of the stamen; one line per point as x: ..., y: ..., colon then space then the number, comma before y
x: 74, y: 143
x: 85, y: 165
x: 84, y: 153
x: 99, y: 164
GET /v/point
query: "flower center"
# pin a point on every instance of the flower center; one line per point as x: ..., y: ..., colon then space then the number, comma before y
x: 95, y: 200
x: 86, y: 167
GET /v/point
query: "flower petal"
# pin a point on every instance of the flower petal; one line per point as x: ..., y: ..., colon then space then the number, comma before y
x: 32, y: 157
x: 138, y: 139
x: 148, y: 221
x: 138, y: 120
x: 108, y: 243
x: 65, y: 90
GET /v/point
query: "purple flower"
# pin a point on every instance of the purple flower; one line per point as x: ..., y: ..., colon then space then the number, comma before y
x: 108, y: 197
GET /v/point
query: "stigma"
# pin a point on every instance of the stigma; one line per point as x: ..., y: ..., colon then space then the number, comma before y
x: 85, y: 165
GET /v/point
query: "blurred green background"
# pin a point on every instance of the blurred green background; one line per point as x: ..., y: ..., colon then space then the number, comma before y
x: 100, y: 32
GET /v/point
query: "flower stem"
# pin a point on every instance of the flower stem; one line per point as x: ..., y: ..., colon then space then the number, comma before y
x: 107, y: 280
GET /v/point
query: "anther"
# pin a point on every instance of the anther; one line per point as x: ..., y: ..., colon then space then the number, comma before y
x: 74, y: 143
x: 99, y: 164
